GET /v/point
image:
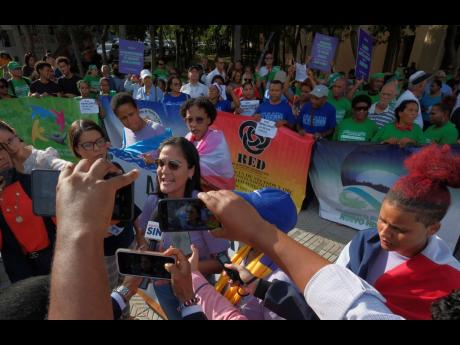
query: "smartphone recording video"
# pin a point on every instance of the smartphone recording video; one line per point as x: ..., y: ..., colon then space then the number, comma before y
x: 189, y: 214
x: 44, y: 184
x: 143, y: 264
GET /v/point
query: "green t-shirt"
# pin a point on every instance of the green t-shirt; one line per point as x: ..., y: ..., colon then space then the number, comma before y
x: 390, y: 131
x: 352, y: 130
x: 447, y: 134
x: 93, y: 83
x: 342, y: 107
x: 161, y: 73
x: 21, y: 88
x: 111, y: 93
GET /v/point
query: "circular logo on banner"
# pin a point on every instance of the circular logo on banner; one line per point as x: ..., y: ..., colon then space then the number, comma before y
x: 149, y: 114
x: 254, y: 144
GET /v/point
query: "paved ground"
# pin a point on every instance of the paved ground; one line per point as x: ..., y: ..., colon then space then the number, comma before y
x: 322, y: 236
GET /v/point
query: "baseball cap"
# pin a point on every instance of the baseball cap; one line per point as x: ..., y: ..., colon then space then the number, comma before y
x: 333, y: 78
x: 320, y: 91
x: 91, y: 67
x: 145, y: 73
x: 273, y: 205
x: 418, y: 77
x: 13, y: 65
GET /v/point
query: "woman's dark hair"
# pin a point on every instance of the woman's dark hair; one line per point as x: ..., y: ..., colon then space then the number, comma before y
x: 403, y: 106
x: 193, y: 160
x: 202, y: 103
x: 447, y: 307
x: 437, y: 82
x: 27, y: 57
x: 361, y: 99
x: 217, y: 76
x: 170, y: 81
x: 247, y: 83
x: 424, y: 190
x: 77, y: 128
x: 307, y: 83
x: 120, y: 99
x: 40, y: 65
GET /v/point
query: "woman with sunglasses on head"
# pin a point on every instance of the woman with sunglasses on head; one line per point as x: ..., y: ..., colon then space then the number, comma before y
x: 404, y: 130
x: 173, y: 95
x: 358, y: 127
x: 215, y: 162
x: 26, y: 157
x: 4, y: 89
x: 89, y: 141
x: 179, y: 176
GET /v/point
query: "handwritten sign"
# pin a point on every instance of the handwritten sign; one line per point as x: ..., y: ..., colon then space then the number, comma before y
x: 89, y: 106
x: 131, y: 56
x: 266, y: 128
x: 249, y: 107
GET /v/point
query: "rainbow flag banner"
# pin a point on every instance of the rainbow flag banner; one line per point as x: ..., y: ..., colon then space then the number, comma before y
x: 43, y: 122
x: 281, y: 162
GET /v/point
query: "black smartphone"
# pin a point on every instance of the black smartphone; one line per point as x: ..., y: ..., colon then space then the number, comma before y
x: 44, y: 184
x: 143, y: 264
x: 234, y: 275
x: 188, y: 214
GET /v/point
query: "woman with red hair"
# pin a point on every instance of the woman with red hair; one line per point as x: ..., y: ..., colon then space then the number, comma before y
x: 403, y: 258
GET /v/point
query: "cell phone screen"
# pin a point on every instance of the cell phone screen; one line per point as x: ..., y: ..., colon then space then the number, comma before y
x: 144, y: 265
x: 187, y: 214
x: 44, y: 184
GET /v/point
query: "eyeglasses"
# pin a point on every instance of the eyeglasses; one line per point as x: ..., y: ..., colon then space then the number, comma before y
x: 198, y: 120
x: 89, y: 145
x: 172, y: 164
x: 10, y: 140
x: 361, y: 108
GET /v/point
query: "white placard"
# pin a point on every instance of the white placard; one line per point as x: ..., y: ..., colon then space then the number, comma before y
x: 300, y: 72
x: 266, y: 128
x: 153, y: 232
x: 89, y: 106
x: 249, y: 107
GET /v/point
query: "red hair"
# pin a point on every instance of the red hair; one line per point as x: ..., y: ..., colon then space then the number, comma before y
x: 424, y: 189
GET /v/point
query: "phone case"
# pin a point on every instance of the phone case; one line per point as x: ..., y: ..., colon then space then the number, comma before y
x: 44, y: 196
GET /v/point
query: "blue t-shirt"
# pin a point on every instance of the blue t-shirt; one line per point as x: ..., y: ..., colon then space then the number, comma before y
x: 323, y: 118
x: 276, y: 112
x: 169, y: 99
x: 224, y: 105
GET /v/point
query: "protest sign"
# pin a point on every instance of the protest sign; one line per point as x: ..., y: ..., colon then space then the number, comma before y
x: 323, y: 52
x: 363, y: 56
x: 131, y: 56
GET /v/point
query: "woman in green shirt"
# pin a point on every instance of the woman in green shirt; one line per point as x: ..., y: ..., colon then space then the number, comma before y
x: 104, y: 83
x: 403, y: 131
x: 92, y: 78
x: 358, y: 127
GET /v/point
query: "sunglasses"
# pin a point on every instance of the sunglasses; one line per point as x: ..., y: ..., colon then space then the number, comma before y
x: 172, y: 164
x: 361, y: 108
x: 198, y: 120
x: 89, y: 145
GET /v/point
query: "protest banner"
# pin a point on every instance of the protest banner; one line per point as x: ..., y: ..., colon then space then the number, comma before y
x: 323, y: 52
x: 261, y: 162
x: 43, y: 122
x: 131, y: 56
x: 363, y: 56
x: 350, y: 181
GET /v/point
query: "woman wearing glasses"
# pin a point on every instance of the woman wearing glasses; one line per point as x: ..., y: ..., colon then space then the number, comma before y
x: 88, y: 141
x: 215, y: 162
x: 26, y: 157
x: 358, y: 127
x: 174, y: 96
x: 4, y: 89
x: 179, y: 176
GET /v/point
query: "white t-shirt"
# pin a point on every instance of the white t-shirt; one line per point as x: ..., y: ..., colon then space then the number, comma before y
x: 44, y: 159
x: 212, y: 74
x: 195, y: 91
x: 408, y: 95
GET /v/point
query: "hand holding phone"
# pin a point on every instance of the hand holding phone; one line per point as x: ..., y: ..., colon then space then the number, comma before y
x: 234, y: 275
x: 143, y: 264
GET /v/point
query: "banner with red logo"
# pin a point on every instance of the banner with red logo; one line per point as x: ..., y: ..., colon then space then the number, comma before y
x: 281, y: 162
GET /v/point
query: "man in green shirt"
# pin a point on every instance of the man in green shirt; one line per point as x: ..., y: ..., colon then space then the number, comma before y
x: 19, y: 85
x: 442, y: 131
x: 161, y: 71
x: 338, y: 85
x: 358, y: 127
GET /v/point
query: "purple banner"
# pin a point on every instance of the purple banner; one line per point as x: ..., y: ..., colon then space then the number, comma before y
x: 131, y: 56
x: 364, y: 55
x: 323, y: 52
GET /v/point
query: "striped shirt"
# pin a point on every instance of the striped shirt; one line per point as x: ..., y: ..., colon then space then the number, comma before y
x: 381, y: 119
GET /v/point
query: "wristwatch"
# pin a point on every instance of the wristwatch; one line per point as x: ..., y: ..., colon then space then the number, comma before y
x: 123, y: 291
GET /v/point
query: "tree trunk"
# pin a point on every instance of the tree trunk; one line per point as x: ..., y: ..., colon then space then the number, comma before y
x: 178, y: 43
x: 237, y: 43
x: 265, y: 49
x: 29, y: 41
x: 161, y: 42
x: 153, y: 51
x: 449, y: 47
x: 76, y: 50
x: 103, y: 39
x: 122, y: 32
x: 391, y: 55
